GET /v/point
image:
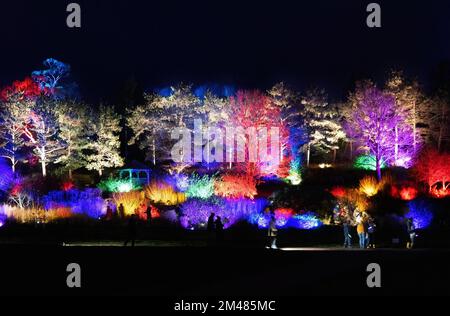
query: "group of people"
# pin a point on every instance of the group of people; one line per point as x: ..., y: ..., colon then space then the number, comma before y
x: 131, y: 233
x: 365, y: 228
x: 110, y: 214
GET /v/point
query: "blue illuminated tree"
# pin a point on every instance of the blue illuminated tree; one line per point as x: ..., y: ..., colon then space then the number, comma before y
x: 50, y: 79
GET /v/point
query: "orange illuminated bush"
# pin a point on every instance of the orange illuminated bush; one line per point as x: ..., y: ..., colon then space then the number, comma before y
x: 131, y: 201
x: 369, y: 186
x: 160, y: 192
x: 36, y: 214
x: 236, y: 186
x: 357, y: 199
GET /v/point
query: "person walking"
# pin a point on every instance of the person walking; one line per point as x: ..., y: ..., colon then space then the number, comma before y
x: 131, y: 231
x: 411, y: 232
x: 272, y: 233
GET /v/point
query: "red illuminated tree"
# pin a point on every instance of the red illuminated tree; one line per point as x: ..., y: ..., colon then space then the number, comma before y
x: 433, y: 168
x: 253, y: 109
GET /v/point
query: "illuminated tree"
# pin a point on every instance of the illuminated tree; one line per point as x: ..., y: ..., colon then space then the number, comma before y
x: 25, y: 90
x: 104, y: 144
x: 439, y: 121
x: 16, y: 103
x: 374, y: 120
x: 43, y: 134
x: 216, y: 112
x: 253, y: 109
x: 289, y: 104
x: 433, y: 168
x: 322, y: 123
x: 73, y: 126
x: 152, y: 122
x: 413, y: 105
x: 51, y: 78
x: 13, y: 116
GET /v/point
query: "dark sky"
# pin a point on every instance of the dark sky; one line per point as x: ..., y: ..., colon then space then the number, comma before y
x: 246, y: 43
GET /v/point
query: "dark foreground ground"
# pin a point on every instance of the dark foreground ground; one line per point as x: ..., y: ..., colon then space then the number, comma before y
x: 196, y: 270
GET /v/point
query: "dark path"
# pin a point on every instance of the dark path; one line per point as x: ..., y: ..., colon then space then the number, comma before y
x: 228, y: 271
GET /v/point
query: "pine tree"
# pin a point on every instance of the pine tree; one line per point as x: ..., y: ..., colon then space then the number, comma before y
x: 104, y: 145
x: 72, y: 119
x: 322, y: 123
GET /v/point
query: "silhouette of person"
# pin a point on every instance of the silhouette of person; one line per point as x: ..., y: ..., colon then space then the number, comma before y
x: 219, y: 229
x: 121, y: 211
x: 132, y: 230
x: 210, y: 225
x: 109, y: 213
x: 272, y: 232
x: 148, y: 212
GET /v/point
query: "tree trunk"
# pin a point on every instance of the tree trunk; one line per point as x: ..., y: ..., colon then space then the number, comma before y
x: 334, y: 155
x: 308, y: 154
x: 43, y: 161
x: 414, y: 127
x: 396, y: 146
x: 351, y: 150
x: 44, y: 168
x: 154, y: 151
x: 13, y: 164
x: 70, y: 174
x: 378, y: 170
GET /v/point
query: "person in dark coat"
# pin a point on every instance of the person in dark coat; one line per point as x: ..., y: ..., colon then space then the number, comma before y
x: 347, y: 234
x: 219, y: 229
x: 131, y: 230
x: 121, y: 210
x: 148, y: 213
x: 210, y: 225
x: 411, y: 232
x: 272, y: 232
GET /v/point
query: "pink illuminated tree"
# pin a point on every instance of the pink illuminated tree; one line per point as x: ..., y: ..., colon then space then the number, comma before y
x: 255, y: 109
x: 374, y: 121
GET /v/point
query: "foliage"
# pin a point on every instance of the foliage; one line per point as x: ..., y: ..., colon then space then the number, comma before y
x: 131, y: 201
x: 433, y: 169
x: 369, y: 186
x: 104, y: 145
x: 421, y: 213
x: 161, y: 192
x: 113, y: 185
x: 235, y: 186
x: 201, y: 187
x: 367, y: 162
x: 86, y: 202
x: 377, y: 124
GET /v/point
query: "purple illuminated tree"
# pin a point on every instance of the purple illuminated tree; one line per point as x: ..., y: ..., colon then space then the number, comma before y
x: 374, y: 120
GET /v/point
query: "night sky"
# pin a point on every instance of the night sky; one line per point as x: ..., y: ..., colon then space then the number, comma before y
x: 248, y: 44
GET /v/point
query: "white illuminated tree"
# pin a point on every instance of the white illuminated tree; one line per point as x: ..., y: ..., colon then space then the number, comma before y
x: 103, y: 149
x: 73, y: 124
x: 321, y: 120
x: 43, y: 134
x: 14, y: 115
